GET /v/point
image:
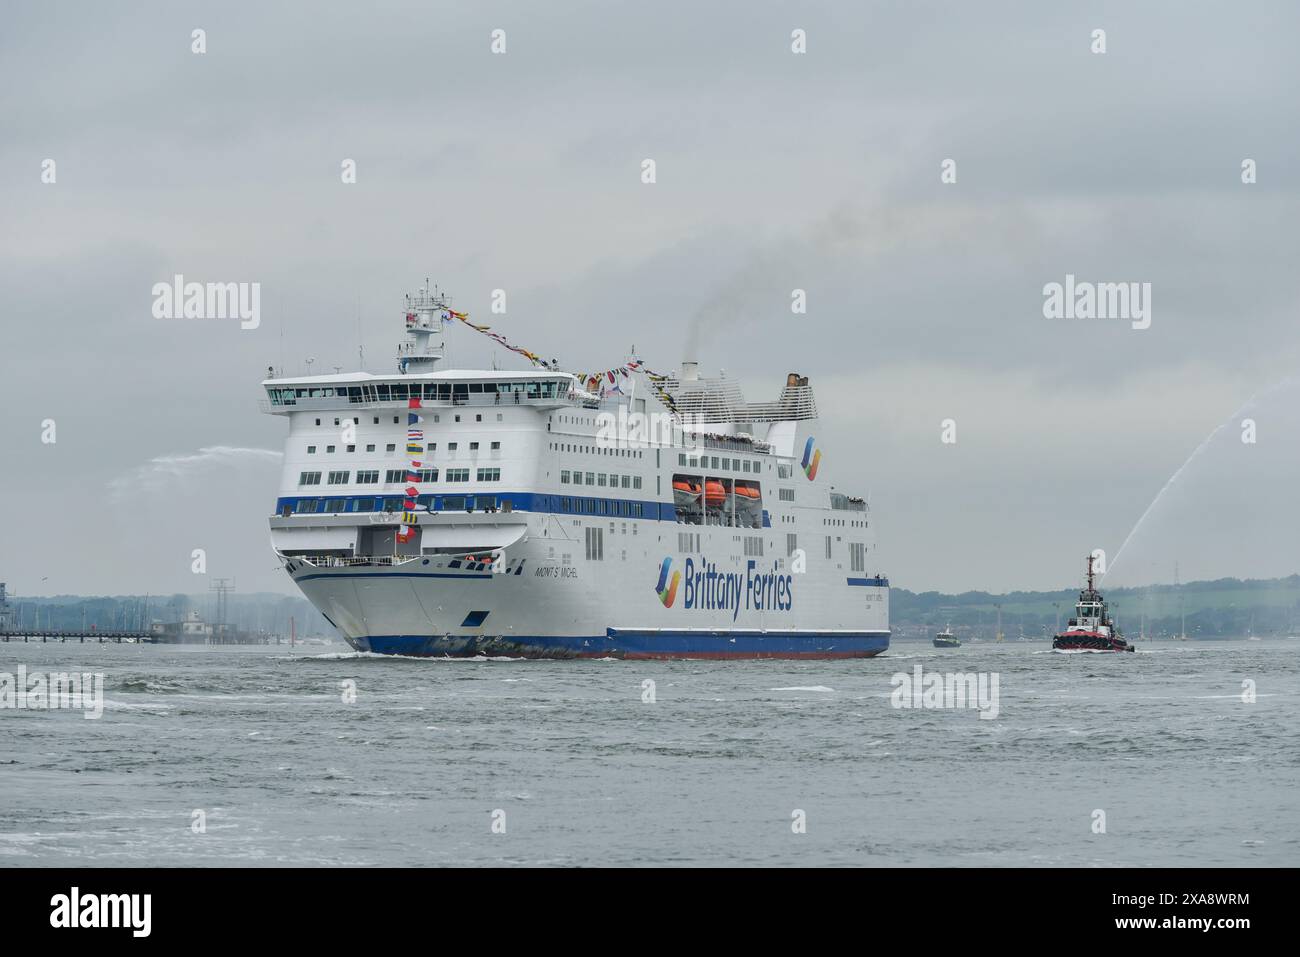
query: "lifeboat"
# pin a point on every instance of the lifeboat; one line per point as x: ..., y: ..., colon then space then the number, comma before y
x: 745, y: 490
x: 686, y: 494
x: 714, y: 492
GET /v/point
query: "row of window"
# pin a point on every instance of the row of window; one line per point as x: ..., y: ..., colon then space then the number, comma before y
x: 396, y: 419
x: 389, y: 503
x: 438, y: 391
x: 400, y: 476
x: 716, y: 463
x: 392, y: 447
x: 598, y: 506
x: 597, y: 450
x: 601, y: 479
x: 612, y: 508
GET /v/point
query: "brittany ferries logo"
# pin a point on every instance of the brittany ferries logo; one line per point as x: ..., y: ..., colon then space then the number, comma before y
x: 707, y: 587
x: 667, y: 592
x: 812, y: 457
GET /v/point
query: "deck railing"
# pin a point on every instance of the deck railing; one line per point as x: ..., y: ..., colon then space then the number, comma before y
x: 339, y: 561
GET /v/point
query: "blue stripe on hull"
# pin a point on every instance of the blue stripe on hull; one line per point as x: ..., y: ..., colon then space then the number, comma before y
x: 620, y: 643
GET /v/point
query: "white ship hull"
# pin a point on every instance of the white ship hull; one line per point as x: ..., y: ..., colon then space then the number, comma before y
x: 528, y: 604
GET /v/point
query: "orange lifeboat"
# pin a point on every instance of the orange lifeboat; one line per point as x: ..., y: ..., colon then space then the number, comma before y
x: 688, y: 487
x: 745, y: 490
x: 714, y: 493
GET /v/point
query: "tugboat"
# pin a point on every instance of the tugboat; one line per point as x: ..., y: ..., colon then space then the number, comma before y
x: 1091, y: 628
x: 946, y: 639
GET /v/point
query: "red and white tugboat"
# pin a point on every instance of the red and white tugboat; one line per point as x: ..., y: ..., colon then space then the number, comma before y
x: 1091, y: 628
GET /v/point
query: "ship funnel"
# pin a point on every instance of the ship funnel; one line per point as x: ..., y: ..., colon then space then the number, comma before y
x: 690, y: 371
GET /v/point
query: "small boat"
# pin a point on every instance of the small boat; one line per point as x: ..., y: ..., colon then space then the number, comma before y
x: 1091, y: 628
x: 946, y: 639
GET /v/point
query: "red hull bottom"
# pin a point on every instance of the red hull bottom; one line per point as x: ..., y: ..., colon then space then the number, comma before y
x: 741, y: 655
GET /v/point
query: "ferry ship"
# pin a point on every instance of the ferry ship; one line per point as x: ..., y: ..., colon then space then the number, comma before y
x: 552, y: 514
x: 1091, y: 628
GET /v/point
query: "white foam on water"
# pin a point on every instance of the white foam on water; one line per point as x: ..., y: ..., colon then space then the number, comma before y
x: 821, y: 688
x: 113, y: 704
x: 376, y: 656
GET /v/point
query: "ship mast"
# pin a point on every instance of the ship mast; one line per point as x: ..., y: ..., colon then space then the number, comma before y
x: 423, y: 321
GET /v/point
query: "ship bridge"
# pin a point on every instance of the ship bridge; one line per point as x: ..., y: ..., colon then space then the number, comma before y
x: 448, y: 388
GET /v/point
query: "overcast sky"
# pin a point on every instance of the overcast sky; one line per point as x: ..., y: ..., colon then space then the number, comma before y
x: 775, y: 171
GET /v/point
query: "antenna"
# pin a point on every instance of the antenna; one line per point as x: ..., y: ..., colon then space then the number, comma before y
x: 222, y: 588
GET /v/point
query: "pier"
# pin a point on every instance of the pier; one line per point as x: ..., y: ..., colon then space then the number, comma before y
x: 79, y: 635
